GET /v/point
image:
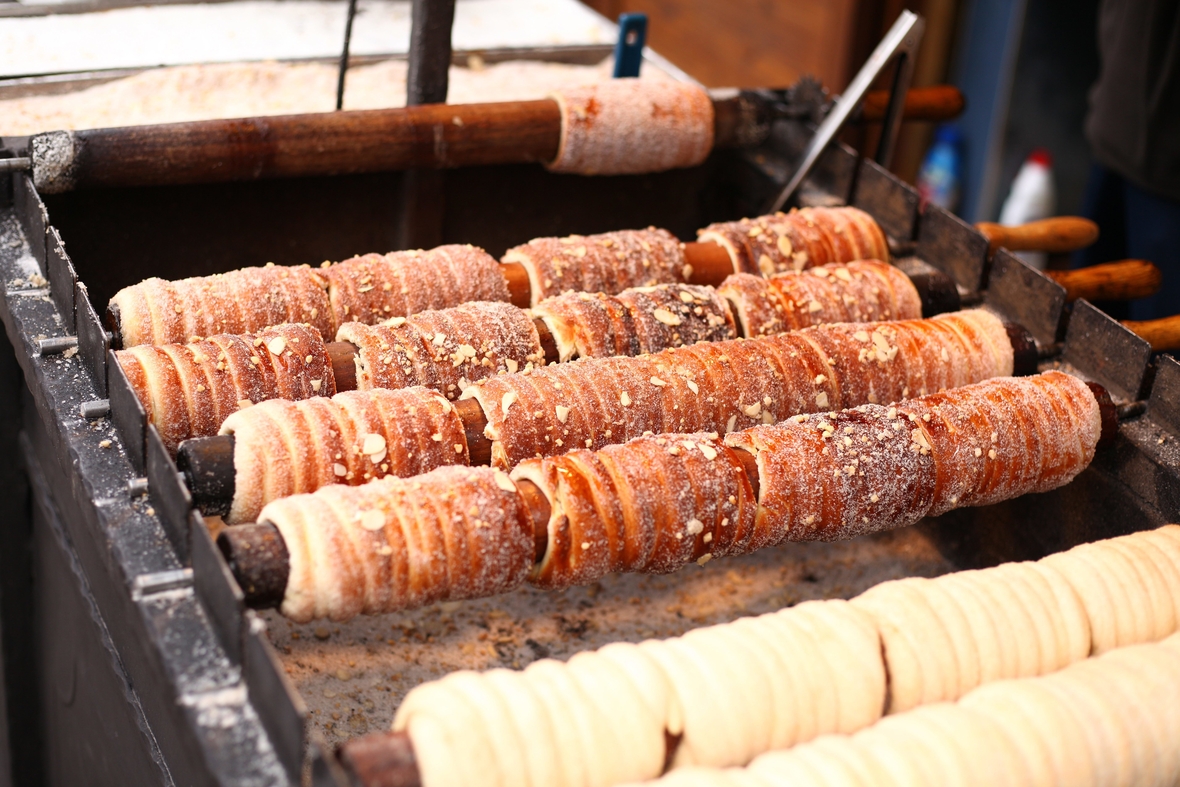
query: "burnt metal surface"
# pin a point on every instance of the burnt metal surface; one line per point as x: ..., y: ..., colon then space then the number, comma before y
x: 893, y: 203
x: 214, y: 585
x: 33, y: 217
x: 194, y: 700
x: 1106, y: 352
x: 62, y: 279
x: 1025, y: 295
x: 94, y: 341
x: 127, y: 414
x: 280, y: 708
x: 168, y: 494
x: 953, y: 246
x: 1163, y: 406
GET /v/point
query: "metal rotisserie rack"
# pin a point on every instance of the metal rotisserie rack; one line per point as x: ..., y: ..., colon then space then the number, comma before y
x: 129, y: 654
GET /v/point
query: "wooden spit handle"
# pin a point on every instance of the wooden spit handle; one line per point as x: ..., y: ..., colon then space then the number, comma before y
x: 1124, y: 280
x: 1163, y: 334
x: 339, y: 143
x: 1056, y: 235
x: 933, y: 103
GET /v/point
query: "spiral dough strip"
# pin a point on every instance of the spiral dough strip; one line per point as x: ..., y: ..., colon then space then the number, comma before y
x: 188, y: 390
x: 721, y: 695
x: 659, y: 502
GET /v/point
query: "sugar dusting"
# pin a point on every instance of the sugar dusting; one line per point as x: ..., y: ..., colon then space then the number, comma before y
x: 285, y: 448
x: 800, y: 239
x: 637, y: 321
x: 732, y: 385
x: 453, y: 533
x: 632, y: 126
x: 446, y: 349
x: 609, y: 262
x: 189, y: 390
x: 864, y: 291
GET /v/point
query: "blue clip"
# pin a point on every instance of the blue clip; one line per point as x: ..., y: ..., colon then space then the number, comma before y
x: 629, y: 49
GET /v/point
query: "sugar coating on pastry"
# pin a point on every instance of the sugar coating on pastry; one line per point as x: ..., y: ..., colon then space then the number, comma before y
x: 864, y: 291
x: 637, y: 321
x: 188, y: 390
x: 733, y: 385
x: 610, y: 262
x: 843, y: 474
x: 653, y: 505
x: 632, y: 126
x: 284, y: 448
x: 376, y: 287
x: 838, y: 475
x: 1006, y: 438
x: 157, y: 311
x: 444, y: 349
x: 398, y: 543
x: 802, y: 238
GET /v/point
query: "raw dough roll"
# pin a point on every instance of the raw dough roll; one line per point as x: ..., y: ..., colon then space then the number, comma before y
x: 447, y: 349
x: 595, y: 721
x: 653, y: 505
x: 188, y: 390
x: 1103, y: 721
x: 730, y: 692
x: 610, y: 262
x: 840, y: 475
x: 156, y: 311
x: 397, y: 543
x: 637, y: 321
x: 1129, y: 586
x: 726, y: 386
x: 864, y: 291
x: 284, y: 448
x: 376, y: 287
x: 632, y: 126
x: 800, y: 239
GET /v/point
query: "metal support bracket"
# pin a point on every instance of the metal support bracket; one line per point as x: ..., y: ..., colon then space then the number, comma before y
x: 900, y: 42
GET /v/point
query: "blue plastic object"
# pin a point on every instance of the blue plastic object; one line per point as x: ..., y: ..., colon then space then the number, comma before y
x: 941, y: 175
x: 629, y: 48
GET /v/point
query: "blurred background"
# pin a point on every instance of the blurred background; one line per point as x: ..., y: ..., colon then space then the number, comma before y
x: 1025, y: 67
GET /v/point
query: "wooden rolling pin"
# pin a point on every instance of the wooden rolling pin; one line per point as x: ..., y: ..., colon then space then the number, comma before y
x: 1124, y: 280
x: 1163, y: 334
x: 380, y: 140
x: 1057, y: 235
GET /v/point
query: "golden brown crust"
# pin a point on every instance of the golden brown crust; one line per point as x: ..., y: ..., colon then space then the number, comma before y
x: 284, y: 448
x: 840, y: 475
x: 864, y: 291
x: 727, y: 386
x: 189, y: 390
x: 637, y: 321
x: 453, y: 533
x: 1005, y: 438
x: 837, y: 475
x: 652, y: 505
x: 800, y: 239
x: 632, y: 126
x: 156, y: 311
x: 376, y: 287
x: 610, y: 262
x: 445, y: 349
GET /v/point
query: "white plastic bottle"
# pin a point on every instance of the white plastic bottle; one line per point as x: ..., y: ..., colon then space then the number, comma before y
x: 1033, y: 197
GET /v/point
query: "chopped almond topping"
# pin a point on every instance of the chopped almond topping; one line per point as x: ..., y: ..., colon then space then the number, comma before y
x: 373, y: 520
x: 666, y: 317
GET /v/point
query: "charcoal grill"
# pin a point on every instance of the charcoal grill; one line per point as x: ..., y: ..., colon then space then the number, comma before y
x: 128, y: 653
